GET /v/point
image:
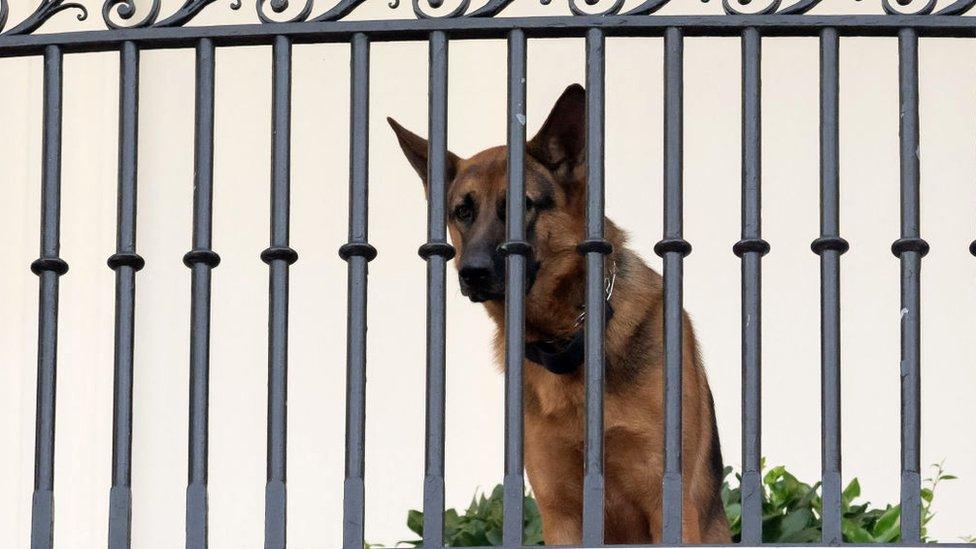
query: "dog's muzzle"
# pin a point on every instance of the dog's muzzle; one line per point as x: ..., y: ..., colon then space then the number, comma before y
x: 481, y: 284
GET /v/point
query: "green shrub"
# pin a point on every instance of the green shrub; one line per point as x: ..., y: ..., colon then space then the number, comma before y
x: 791, y: 514
x: 481, y: 523
x: 792, y: 510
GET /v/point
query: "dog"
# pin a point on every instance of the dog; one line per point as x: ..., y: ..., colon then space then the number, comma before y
x: 554, y: 402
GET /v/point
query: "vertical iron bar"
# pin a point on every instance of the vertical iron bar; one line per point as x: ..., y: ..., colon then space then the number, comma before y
x: 910, y: 249
x: 48, y: 267
x: 673, y: 248
x: 751, y: 248
x: 201, y: 260
x: 126, y: 262
x: 516, y: 252
x: 278, y: 257
x: 830, y: 246
x: 436, y: 251
x: 358, y: 253
x: 595, y: 249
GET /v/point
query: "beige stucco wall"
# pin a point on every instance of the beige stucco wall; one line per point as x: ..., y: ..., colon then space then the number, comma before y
x: 395, y: 428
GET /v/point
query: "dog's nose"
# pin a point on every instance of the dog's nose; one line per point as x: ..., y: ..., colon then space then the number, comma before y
x: 475, y: 275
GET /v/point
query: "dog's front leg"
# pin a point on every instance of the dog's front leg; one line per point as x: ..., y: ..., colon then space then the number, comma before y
x: 690, y: 524
x: 561, y: 526
x: 560, y: 505
x: 554, y: 465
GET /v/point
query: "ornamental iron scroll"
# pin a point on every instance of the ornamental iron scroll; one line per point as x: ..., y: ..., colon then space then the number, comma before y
x: 124, y: 14
x: 46, y: 10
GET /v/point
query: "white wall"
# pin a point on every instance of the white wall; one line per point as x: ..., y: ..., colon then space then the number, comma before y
x: 395, y: 430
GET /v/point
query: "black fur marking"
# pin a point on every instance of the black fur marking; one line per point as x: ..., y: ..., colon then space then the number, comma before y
x: 545, y: 202
x: 623, y: 260
x: 623, y: 372
x: 530, y: 275
x: 541, y: 204
x: 466, y: 203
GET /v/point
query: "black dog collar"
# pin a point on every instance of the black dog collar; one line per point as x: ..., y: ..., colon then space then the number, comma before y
x: 561, y: 357
x: 565, y: 356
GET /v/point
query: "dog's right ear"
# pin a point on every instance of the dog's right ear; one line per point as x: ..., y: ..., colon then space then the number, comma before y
x: 415, y: 149
x: 561, y: 143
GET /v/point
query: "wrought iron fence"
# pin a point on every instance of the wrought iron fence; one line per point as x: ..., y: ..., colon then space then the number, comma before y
x: 129, y: 32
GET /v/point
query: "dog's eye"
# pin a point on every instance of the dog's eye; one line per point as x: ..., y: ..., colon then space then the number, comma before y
x: 503, y: 207
x: 463, y: 213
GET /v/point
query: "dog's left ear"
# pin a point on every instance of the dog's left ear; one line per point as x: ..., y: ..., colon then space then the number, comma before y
x: 561, y: 143
x: 415, y: 149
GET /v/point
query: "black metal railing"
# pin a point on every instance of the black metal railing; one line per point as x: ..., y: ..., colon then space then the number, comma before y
x: 201, y: 260
x: 129, y: 32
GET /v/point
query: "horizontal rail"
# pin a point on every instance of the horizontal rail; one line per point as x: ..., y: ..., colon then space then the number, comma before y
x: 499, y: 27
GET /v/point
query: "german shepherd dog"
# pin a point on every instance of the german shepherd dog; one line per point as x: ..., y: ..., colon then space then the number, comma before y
x: 555, y: 181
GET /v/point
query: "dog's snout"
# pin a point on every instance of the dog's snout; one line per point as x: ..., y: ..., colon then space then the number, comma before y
x: 480, y: 277
x: 476, y: 274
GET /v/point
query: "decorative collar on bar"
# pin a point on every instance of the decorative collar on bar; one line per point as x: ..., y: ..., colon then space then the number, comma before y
x: 118, y: 14
x: 201, y: 256
x: 49, y: 263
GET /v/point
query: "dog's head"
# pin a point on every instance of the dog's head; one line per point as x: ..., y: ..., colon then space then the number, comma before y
x: 476, y: 193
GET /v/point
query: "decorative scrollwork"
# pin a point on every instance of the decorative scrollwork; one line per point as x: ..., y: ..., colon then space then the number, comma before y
x: 187, y: 11
x: 958, y: 7
x: 491, y: 9
x: 773, y: 7
x: 45, y: 11
x: 340, y: 10
x: 648, y: 7
x: 123, y: 14
x: 337, y: 12
x: 279, y: 6
x: 732, y: 8
x: 459, y: 11
x: 126, y: 10
x: 574, y: 6
x: 927, y: 7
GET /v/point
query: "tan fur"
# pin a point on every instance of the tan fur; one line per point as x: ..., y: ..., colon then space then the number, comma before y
x: 554, y: 404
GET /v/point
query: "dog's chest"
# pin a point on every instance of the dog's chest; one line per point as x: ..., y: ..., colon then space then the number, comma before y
x: 556, y: 405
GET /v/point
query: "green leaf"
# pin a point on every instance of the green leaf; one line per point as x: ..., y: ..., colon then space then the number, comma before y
x: 852, y: 491
x: 494, y: 537
x: 451, y: 523
x: 854, y: 533
x: 809, y: 496
x: 793, y: 523
x: 733, y: 512
x: 888, y: 526
x: 415, y: 522
x: 807, y: 535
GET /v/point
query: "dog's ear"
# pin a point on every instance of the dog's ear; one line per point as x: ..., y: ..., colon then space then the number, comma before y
x: 415, y: 149
x: 561, y: 143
